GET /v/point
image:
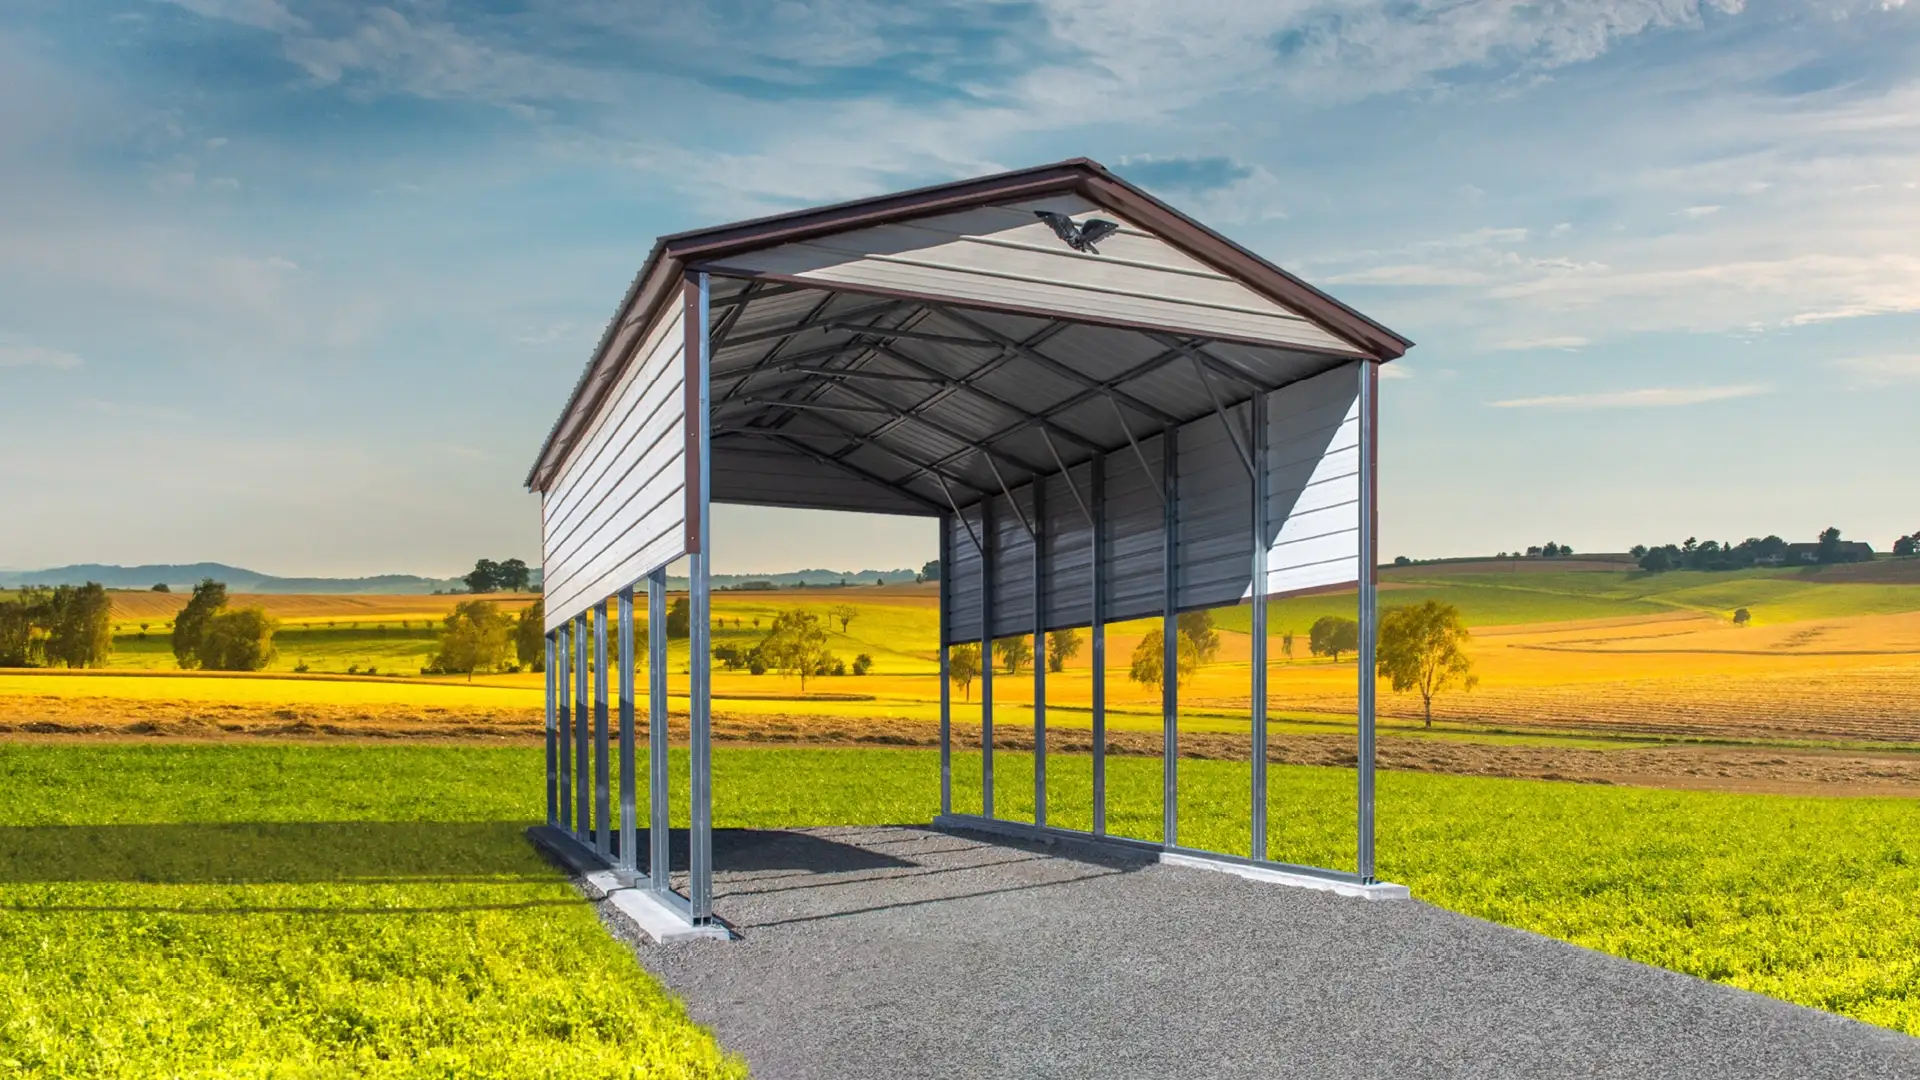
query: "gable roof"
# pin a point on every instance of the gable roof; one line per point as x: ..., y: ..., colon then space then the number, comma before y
x: 658, y: 281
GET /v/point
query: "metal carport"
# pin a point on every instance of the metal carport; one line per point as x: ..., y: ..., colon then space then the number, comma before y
x: 1114, y: 412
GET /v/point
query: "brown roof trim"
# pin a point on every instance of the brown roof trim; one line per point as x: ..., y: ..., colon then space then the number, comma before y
x: 653, y: 285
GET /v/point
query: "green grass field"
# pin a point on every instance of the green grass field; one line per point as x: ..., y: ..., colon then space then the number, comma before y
x: 306, y: 912
x: 197, y: 910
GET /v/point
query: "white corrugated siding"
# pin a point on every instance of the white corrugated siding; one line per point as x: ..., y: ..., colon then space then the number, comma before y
x: 619, y: 507
x: 1313, y: 482
x: 1005, y: 256
x: 1313, y: 492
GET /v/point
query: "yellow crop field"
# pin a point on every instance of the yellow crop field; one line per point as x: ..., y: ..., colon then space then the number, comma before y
x: 301, y: 608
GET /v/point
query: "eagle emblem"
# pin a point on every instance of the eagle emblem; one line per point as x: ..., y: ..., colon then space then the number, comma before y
x: 1082, y: 236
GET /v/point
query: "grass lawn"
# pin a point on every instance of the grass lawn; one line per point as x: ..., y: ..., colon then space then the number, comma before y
x: 348, y: 910
x: 294, y: 911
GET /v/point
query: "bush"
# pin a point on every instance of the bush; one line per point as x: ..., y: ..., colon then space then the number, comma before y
x: 862, y: 664
x: 1741, y: 616
x: 756, y: 666
x: 300, y: 668
x: 237, y: 640
x: 839, y: 667
x: 353, y: 669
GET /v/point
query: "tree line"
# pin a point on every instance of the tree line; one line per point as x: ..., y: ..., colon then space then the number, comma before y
x: 65, y: 626
x: 1695, y: 554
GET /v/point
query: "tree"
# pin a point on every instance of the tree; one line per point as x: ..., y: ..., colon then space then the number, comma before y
x: 1420, y: 649
x: 680, y: 620
x: 238, y: 640
x: 1062, y: 646
x: 512, y: 576
x: 963, y: 666
x: 1907, y: 546
x: 1015, y: 652
x: 1656, y: 561
x: 796, y: 643
x: 161, y: 587
x: 1149, y: 659
x: 1331, y: 635
x: 23, y: 621
x: 1829, y: 545
x: 1286, y: 644
x: 79, y: 622
x: 1638, y: 551
x: 530, y: 636
x: 844, y: 614
x: 1741, y: 617
x: 484, y: 577
x: 1197, y: 627
x: 474, y: 637
x: 931, y: 571
x: 862, y: 664
x: 208, y: 598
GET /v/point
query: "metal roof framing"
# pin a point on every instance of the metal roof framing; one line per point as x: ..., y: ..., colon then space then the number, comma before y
x: 659, y: 281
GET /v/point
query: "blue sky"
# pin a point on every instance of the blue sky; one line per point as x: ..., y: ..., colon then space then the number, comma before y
x: 300, y: 284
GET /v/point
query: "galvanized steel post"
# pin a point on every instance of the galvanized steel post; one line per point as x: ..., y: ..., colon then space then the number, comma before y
x: 563, y: 694
x: 582, y: 768
x: 659, y: 820
x: 629, y: 810
x: 700, y: 666
x: 986, y: 657
x: 946, y: 683
x: 553, y: 774
x: 1170, y: 648
x: 1098, y: 631
x: 1258, y: 414
x: 1369, y: 609
x: 602, y: 760
x: 1039, y: 656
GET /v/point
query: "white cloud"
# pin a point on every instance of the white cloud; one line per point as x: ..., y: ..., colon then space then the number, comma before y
x: 1648, y: 398
x: 1398, y: 369
x: 259, y: 14
x: 18, y: 355
x: 1884, y: 370
x: 1564, y: 341
x: 1699, y: 211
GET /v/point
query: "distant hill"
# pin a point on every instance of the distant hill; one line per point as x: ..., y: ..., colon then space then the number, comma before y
x: 180, y: 577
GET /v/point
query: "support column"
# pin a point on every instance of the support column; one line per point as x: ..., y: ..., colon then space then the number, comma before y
x: 700, y: 662
x: 1039, y: 655
x: 1097, y: 629
x: 986, y: 657
x: 582, y: 768
x: 1257, y: 410
x: 553, y: 774
x: 563, y: 694
x: 629, y: 810
x: 602, y: 760
x: 659, y: 811
x: 1369, y: 606
x: 1170, y: 648
x: 946, y: 682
